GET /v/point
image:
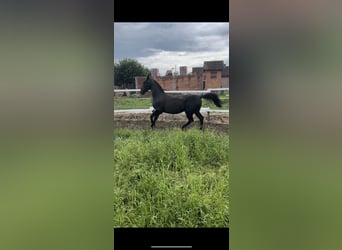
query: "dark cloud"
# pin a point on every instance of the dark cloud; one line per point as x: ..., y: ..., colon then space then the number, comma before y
x: 132, y: 40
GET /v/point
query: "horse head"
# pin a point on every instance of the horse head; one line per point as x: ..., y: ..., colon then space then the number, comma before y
x: 146, y: 84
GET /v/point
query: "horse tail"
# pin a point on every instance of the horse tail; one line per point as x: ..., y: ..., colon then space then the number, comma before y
x: 214, y: 98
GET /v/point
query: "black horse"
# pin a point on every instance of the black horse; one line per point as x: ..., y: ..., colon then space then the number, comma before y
x: 190, y: 104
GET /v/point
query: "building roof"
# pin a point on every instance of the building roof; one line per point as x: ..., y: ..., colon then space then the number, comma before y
x: 213, y: 65
x: 225, y: 71
x: 198, y: 71
x: 168, y: 72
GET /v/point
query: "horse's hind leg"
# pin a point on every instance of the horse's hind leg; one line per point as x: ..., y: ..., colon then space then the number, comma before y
x: 200, y: 117
x: 190, y: 119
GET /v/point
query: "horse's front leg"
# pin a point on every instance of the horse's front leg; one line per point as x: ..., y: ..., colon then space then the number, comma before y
x: 154, y: 118
x: 152, y: 115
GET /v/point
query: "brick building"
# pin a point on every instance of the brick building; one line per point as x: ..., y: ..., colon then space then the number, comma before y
x: 155, y: 72
x: 225, y: 77
x: 183, y: 70
x: 197, y: 71
x: 213, y: 74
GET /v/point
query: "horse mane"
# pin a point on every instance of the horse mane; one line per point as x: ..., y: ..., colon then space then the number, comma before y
x: 158, y: 85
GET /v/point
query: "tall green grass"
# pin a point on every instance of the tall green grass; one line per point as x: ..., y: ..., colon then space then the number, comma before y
x: 170, y: 178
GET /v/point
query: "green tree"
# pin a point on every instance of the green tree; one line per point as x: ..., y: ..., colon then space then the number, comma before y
x: 126, y: 70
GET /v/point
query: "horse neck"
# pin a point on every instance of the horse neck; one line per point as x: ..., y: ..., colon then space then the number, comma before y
x: 156, y: 89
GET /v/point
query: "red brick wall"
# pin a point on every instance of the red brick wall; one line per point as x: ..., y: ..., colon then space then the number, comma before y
x: 225, y: 82
x: 211, y: 81
x: 184, y: 82
x: 180, y: 83
x: 139, y: 81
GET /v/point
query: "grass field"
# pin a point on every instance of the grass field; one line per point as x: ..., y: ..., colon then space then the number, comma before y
x: 170, y: 178
x: 132, y: 102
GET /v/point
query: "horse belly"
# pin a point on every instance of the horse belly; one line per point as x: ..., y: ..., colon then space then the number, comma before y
x: 174, y: 108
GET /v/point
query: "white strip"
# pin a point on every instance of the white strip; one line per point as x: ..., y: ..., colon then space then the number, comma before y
x: 187, y: 91
x: 218, y: 89
x: 150, y: 110
x: 133, y: 111
x: 219, y: 111
x: 126, y: 90
x: 173, y: 91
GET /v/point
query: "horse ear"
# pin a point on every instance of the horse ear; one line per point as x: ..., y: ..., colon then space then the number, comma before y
x: 148, y: 76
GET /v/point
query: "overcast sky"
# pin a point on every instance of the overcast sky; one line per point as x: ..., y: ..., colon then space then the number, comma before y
x: 164, y: 45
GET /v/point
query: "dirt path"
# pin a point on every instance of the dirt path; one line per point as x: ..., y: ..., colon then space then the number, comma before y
x: 218, y: 121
